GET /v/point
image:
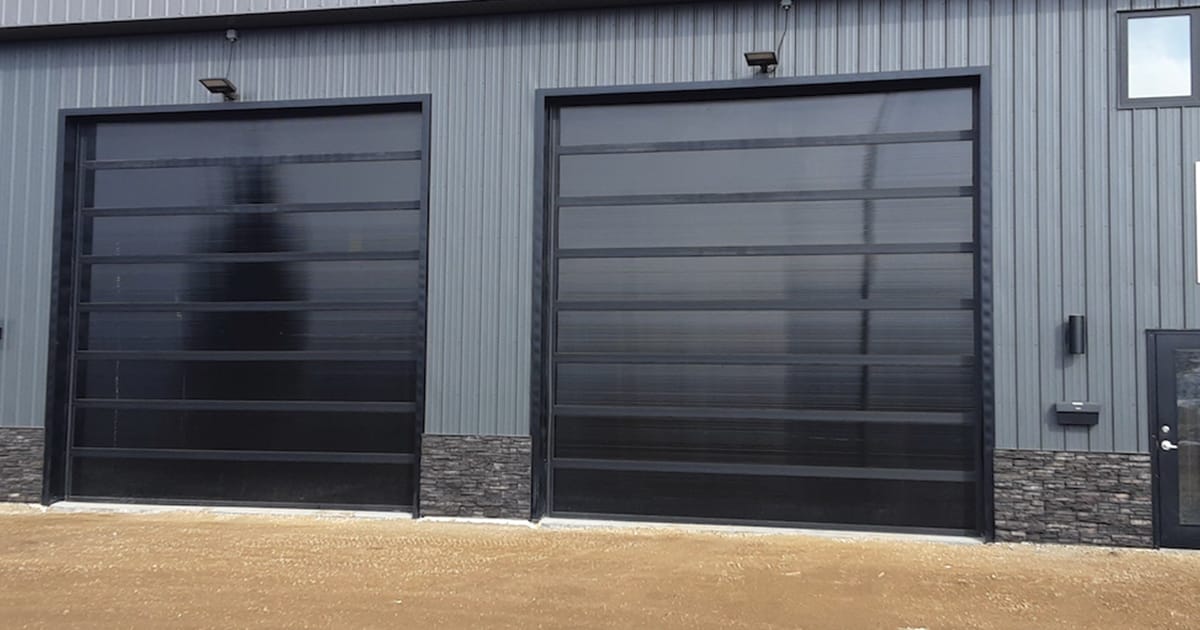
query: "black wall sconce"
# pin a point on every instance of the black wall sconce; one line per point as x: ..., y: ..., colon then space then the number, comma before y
x: 1076, y: 334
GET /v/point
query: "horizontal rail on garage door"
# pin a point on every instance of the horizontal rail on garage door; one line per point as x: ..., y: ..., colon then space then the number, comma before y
x: 951, y: 418
x: 254, y: 160
x: 768, y: 470
x: 242, y: 456
x: 768, y: 250
x: 243, y: 307
x: 245, y: 405
x: 849, y: 194
x: 914, y: 360
x: 768, y: 143
x: 253, y: 208
x: 262, y: 257
x: 767, y: 305
x: 244, y: 355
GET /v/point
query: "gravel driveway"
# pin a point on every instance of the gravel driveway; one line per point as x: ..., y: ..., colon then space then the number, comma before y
x: 204, y: 570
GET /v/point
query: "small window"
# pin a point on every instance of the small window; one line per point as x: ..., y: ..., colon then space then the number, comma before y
x: 1158, y: 51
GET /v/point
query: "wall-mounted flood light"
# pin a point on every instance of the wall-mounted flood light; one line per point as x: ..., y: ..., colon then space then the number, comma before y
x: 1076, y: 334
x: 221, y: 86
x: 764, y: 60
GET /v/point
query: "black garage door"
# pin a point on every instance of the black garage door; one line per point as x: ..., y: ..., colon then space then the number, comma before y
x: 765, y: 308
x: 246, y: 293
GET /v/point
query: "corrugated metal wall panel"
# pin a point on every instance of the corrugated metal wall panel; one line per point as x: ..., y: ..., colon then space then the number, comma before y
x: 1191, y: 155
x: 1095, y: 213
x: 1072, y: 259
x: 1025, y: 189
x: 40, y: 12
x: 1092, y: 207
x: 1002, y: 35
x: 1048, y: 210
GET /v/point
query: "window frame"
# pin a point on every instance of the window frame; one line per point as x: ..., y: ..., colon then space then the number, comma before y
x: 1123, y: 99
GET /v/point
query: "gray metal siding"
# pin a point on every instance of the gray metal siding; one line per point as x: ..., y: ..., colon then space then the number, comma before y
x: 43, y: 12
x: 1092, y: 207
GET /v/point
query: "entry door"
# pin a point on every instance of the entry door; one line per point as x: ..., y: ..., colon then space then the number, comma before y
x: 763, y: 307
x: 1176, y: 378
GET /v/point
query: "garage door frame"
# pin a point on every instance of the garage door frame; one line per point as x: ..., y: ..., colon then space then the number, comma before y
x: 548, y: 101
x: 60, y: 357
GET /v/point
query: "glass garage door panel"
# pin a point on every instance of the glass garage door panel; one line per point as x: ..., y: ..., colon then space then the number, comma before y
x: 938, y: 278
x: 290, y: 281
x: 936, y: 164
x: 257, y: 136
x: 248, y: 300
x: 763, y: 498
x: 189, y: 186
x: 314, y: 484
x: 813, y: 116
x: 767, y: 333
x: 316, y: 232
x: 364, y: 380
x: 947, y: 220
x: 340, y: 330
x: 775, y: 441
x: 307, y: 431
x: 766, y: 310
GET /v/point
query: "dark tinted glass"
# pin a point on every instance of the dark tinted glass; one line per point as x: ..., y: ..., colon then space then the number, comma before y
x: 304, y: 330
x: 344, y: 231
x: 246, y: 430
x: 938, y: 276
x: 878, y: 388
x: 842, y: 114
x: 354, y: 133
x: 348, y: 182
x: 932, y: 164
x: 350, y: 160
x: 795, y: 223
x: 369, y: 281
x: 743, y: 441
x: 768, y: 332
x: 263, y: 482
x: 763, y: 498
x: 875, y: 392
x: 355, y: 381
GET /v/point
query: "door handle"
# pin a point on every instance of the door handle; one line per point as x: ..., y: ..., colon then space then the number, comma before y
x: 1168, y: 445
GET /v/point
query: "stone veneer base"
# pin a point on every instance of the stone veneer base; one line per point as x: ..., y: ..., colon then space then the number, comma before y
x: 21, y: 456
x: 476, y: 476
x: 1061, y: 497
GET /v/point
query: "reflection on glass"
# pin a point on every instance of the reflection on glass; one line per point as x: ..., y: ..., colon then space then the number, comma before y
x: 805, y: 116
x: 1187, y: 393
x: 758, y: 441
x: 766, y: 332
x: 240, y: 430
x: 337, y: 231
x: 1160, y: 57
x: 927, y: 164
x: 347, y: 182
x: 889, y: 388
x: 943, y: 220
x: 225, y: 137
x: 885, y: 276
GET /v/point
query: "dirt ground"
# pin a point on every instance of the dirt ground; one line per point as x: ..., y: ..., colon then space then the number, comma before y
x: 198, y: 570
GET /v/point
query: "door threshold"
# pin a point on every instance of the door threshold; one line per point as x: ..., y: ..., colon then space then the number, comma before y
x: 88, y: 507
x: 555, y: 522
